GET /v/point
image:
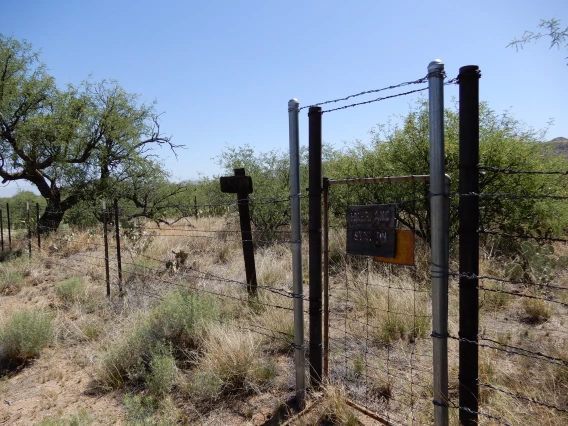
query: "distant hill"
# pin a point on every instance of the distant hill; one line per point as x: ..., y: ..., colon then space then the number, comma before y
x: 559, y: 146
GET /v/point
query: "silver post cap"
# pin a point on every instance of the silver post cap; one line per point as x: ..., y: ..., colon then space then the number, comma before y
x: 292, y: 103
x: 435, y: 65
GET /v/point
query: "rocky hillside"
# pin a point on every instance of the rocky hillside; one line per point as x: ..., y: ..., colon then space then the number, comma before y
x: 559, y: 145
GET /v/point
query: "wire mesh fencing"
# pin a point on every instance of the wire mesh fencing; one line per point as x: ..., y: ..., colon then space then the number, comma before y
x: 522, y: 337
x: 379, y: 344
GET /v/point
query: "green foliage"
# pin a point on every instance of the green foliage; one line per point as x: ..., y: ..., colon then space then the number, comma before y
x: 536, y: 263
x: 11, y: 281
x: 26, y: 334
x: 76, y: 144
x: 270, y: 172
x: 160, y: 377
x: 504, y: 144
x: 230, y: 364
x: 537, y: 311
x: 146, y: 411
x: 552, y: 30
x: 69, y: 290
x: 173, y: 326
x: 82, y: 418
x: 18, y: 213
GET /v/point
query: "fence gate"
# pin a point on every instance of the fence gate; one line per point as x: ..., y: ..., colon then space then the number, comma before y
x: 377, y: 296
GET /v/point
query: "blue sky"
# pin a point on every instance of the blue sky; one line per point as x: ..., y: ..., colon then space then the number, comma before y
x: 223, y: 71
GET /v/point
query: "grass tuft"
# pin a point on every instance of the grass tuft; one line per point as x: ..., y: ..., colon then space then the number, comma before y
x: 26, y: 334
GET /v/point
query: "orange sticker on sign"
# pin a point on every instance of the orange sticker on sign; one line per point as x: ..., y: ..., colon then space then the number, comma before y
x: 404, y: 249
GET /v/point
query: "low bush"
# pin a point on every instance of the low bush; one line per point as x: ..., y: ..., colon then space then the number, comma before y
x: 11, y: 281
x: 26, y: 334
x: 176, y: 322
x: 231, y: 364
x: 69, y: 290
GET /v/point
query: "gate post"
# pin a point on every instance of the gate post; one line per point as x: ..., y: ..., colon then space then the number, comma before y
x: 315, y: 252
x: 439, y: 206
x: 469, y: 243
x: 300, y: 357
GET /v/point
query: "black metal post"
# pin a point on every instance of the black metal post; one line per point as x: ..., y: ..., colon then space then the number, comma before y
x: 468, y: 243
x: 37, y: 225
x: 326, y: 278
x: 9, y: 227
x: 118, y: 257
x: 29, y: 223
x: 315, y: 246
x: 2, y: 229
x: 107, y: 268
x: 195, y: 206
x: 246, y: 232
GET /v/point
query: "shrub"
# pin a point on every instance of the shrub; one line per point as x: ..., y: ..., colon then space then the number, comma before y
x: 26, y: 334
x: 504, y: 144
x: 82, y: 418
x: 11, y: 281
x: 537, y: 310
x: 162, y: 372
x: 178, y: 320
x: 69, y: 290
x: 231, y: 364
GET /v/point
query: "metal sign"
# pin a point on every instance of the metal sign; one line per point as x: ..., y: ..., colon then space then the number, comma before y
x: 371, y: 230
x: 404, y: 249
x: 238, y: 184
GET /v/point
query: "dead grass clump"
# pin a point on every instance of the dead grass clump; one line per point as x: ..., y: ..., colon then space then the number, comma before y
x: 278, y: 328
x: 70, y: 290
x: 26, y: 334
x: 536, y: 311
x: 178, y: 322
x: 81, y: 418
x: 11, y: 281
x: 332, y: 409
x: 272, y: 268
x: 494, y: 296
x: 396, y: 311
x: 231, y: 364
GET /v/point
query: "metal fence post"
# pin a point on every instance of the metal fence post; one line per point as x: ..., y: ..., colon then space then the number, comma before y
x: 469, y: 243
x: 439, y: 204
x: 295, y: 192
x: 1, y: 229
x: 326, y: 278
x: 195, y: 206
x: 38, y: 228
x: 118, y: 256
x: 315, y: 248
x: 107, y: 268
x: 9, y: 227
x: 29, y: 223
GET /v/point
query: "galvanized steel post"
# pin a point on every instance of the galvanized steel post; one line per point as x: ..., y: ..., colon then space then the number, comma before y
x: 298, y: 291
x: 439, y: 205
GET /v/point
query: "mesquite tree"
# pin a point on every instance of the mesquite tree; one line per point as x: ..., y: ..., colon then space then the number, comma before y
x: 74, y: 144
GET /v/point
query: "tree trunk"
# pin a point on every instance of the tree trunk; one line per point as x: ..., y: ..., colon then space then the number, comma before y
x: 51, y: 217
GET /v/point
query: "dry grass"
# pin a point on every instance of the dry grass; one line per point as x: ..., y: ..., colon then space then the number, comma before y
x: 176, y: 370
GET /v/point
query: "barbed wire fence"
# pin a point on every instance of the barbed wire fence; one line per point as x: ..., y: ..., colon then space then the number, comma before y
x: 379, y: 343
x: 377, y: 347
x: 511, y: 334
x: 521, y: 337
x: 355, y: 335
